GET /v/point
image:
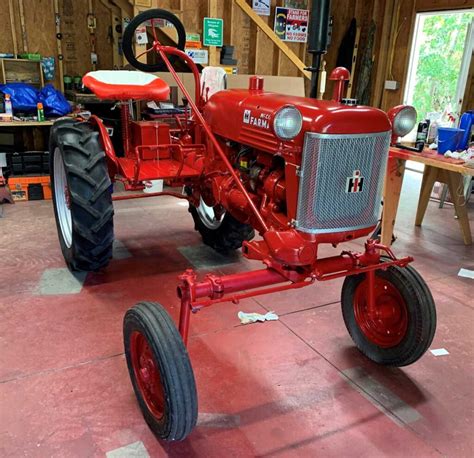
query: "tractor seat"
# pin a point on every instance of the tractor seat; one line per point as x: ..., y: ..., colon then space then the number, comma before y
x: 126, y: 85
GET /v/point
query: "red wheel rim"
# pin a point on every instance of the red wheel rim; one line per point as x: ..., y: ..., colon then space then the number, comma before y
x: 389, y: 325
x: 147, y: 374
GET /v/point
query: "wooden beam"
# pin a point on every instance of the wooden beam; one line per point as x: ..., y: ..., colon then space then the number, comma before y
x: 394, y: 24
x: 24, y: 35
x: 212, y: 12
x: 388, y: 28
x: 355, y: 52
x: 229, y: 28
x: 247, y: 9
x: 13, y: 28
x: 57, y: 20
x: 125, y: 6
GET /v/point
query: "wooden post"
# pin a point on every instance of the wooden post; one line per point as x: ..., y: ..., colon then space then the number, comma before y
x: 430, y: 176
x: 92, y: 36
x: 454, y: 181
x: 12, y: 25
x: 212, y: 12
x: 24, y: 36
x: 391, y: 197
x: 354, y: 62
x: 57, y: 20
x: 229, y: 22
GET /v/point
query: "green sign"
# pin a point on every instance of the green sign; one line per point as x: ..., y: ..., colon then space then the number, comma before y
x: 213, y: 32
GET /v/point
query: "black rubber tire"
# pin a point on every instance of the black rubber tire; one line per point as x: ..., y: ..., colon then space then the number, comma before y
x: 421, y: 317
x: 228, y: 237
x: 90, y: 195
x: 127, y: 41
x: 180, y: 414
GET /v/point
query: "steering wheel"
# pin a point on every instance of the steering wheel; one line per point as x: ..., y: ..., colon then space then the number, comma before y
x: 142, y: 30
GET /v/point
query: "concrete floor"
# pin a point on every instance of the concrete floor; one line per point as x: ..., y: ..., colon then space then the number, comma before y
x: 293, y: 387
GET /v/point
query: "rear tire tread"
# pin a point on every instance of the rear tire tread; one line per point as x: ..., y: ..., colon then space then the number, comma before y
x: 91, y: 205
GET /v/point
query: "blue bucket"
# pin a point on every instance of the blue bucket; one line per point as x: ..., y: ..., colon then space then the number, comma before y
x: 449, y: 138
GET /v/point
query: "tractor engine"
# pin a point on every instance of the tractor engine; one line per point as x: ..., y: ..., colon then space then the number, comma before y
x: 312, y: 165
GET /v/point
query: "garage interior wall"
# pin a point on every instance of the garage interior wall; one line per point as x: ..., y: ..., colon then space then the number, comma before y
x: 394, y: 20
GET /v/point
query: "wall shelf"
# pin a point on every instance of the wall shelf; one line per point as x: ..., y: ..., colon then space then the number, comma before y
x: 22, y: 71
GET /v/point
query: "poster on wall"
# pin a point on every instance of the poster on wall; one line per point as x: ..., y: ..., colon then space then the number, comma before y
x: 291, y: 24
x: 261, y: 7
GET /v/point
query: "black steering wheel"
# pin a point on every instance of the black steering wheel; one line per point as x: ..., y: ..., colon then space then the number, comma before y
x: 146, y: 23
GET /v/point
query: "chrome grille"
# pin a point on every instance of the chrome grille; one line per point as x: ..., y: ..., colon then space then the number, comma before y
x: 326, y: 202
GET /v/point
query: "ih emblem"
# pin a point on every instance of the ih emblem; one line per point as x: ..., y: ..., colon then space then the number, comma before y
x: 355, y: 183
x: 247, y: 114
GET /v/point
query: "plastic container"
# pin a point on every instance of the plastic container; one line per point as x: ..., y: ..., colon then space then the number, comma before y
x: 30, y: 56
x: 422, y: 134
x: 466, y: 122
x: 449, y: 138
x: 40, y: 111
x: 68, y: 82
x: 8, y: 105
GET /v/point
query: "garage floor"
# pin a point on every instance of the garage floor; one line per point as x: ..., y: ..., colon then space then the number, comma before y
x: 293, y: 387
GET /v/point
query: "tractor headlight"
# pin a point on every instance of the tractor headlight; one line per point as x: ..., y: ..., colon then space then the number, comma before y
x: 287, y: 123
x: 403, y: 119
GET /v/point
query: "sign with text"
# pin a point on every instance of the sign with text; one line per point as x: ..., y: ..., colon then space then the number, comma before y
x: 261, y: 7
x: 291, y: 24
x: 213, y: 32
x: 199, y: 56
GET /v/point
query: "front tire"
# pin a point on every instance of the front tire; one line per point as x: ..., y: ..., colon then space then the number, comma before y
x: 160, y: 371
x: 406, y: 315
x: 81, y: 196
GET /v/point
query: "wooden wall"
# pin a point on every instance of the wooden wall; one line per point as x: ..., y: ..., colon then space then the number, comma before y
x: 40, y: 36
x: 255, y: 53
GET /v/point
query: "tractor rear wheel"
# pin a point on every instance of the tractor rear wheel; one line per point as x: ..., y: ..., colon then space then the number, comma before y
x: 221, y: 232
x: 160, y: 371
x: 81, y: 195
x: 405, y: 322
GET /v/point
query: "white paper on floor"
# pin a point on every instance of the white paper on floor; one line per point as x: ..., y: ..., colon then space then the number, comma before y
x: 439, y: 352
x: 246, y: 318
x: 466, y: 273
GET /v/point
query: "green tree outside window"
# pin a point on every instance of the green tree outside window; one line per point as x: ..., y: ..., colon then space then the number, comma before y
x: 441, y: 53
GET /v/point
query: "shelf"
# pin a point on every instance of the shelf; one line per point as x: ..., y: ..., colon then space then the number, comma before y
x: 22, y: 70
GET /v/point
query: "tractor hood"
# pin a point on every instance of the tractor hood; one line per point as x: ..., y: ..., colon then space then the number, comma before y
x: 246, y: 116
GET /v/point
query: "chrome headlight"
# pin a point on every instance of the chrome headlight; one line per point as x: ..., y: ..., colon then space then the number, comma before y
x: 287, y: 123
x: 403, y: 119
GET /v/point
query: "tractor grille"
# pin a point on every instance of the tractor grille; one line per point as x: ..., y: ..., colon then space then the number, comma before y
x: 331, y: 197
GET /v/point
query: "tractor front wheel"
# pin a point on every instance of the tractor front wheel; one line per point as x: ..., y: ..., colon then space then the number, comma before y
x: 405, y: 321
x: 81, y: 195
x: 160, y: 370
x: 220, y: 230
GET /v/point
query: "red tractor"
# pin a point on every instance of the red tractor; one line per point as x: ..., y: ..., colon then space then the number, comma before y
x: 300, y: 172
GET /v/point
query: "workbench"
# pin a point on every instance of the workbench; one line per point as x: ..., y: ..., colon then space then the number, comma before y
x: 436, y: 169
x: 26, y: 124
x: 33, y: 137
